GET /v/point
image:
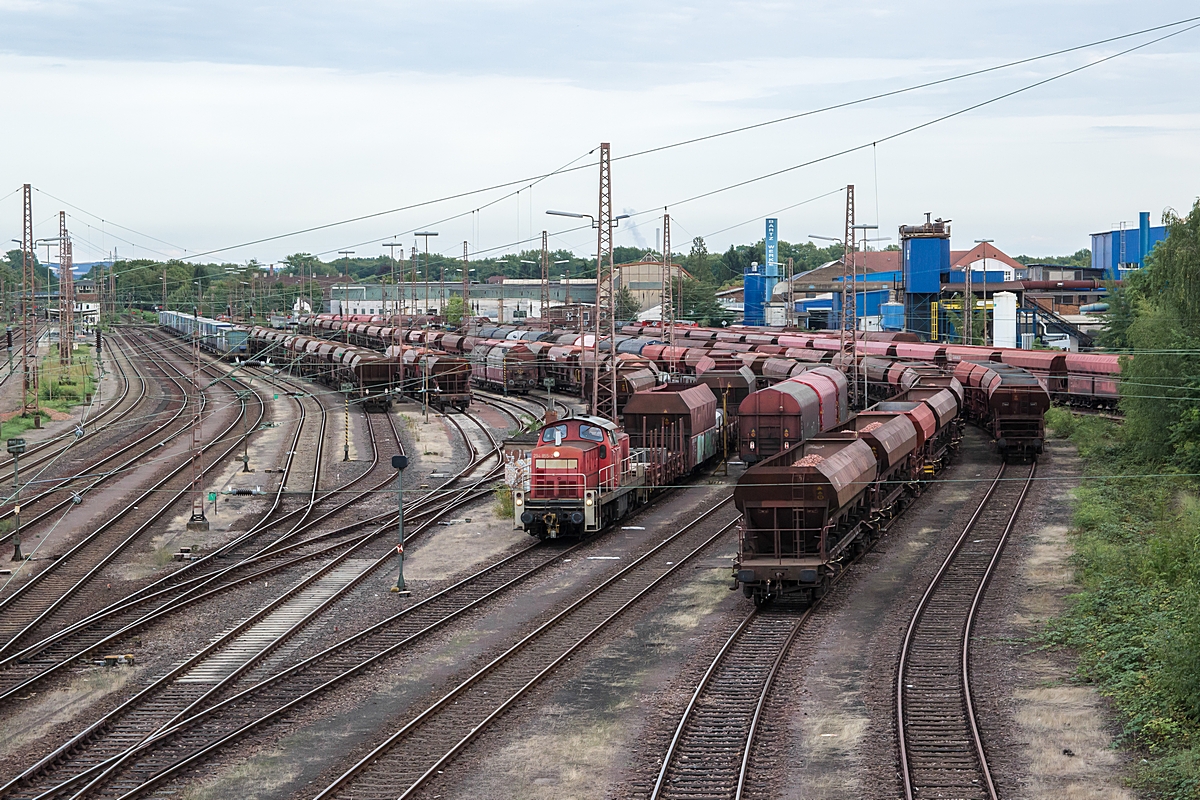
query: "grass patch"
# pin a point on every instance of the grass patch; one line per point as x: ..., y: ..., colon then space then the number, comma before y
x: 61, y: 387
x: 1136, y: 622
x: 503, y: 504
x: 19, y: 424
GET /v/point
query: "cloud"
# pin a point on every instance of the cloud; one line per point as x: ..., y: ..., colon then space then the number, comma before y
x: 212, y: 124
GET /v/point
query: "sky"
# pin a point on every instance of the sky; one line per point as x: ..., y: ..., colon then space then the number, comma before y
x: 190, y: 129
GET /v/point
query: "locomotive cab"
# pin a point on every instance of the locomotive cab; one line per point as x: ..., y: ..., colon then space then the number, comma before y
x: 576, y: 463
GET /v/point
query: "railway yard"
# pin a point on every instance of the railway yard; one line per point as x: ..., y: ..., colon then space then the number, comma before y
x: 558, y: 648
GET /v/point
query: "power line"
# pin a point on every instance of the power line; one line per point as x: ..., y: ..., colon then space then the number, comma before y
x: 573, y: 168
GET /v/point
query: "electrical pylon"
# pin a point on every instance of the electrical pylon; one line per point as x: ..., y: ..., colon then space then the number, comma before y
x: 29, y: 363
x: 604, y: 389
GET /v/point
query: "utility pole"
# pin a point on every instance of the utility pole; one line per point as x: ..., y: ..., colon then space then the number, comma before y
x: 466, y: 291
x: 399, y: 463
x: 546, y: 279
x: 198, y: 521
x: 985, y: 243
x: 29, y: 315
x: 849, y: 295
x: 392, y: 248
x: 426, y: 234
x: 164, y: 300
x: 790, y: 318
x: 865, y: 229
x: 604, y: 390
x: 667, y: 295
x: 345, y: 296
x: 413, y: 255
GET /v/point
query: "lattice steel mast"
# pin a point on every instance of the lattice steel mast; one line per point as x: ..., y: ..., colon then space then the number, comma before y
x: 29, y: 401
x: 604, y: 389
x: 849, y: 296
x: 66, y: 294
x: 667, y: 292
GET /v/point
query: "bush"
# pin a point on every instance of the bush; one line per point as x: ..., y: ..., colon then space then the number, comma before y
x: 1136, y: 622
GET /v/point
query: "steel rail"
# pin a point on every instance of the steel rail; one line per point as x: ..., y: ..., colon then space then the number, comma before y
x: 69, y: 437
x: 201, y: 587
x: 767, y: 682
x: 64, y: 484
x: 984, y: 783
x: 119, y: 517
x: 27, y: 652
x: 449, y: 699
x: 438, y: 508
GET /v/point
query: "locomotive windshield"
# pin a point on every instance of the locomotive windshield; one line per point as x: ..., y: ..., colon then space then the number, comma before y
x: 591, y: 433
x: 548, y: 435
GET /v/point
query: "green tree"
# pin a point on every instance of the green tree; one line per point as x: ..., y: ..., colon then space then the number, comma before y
x: 307, y: 264
x: 697, y: 260
x: 626, y: 255
x: 699, y: 303
x: 627, y: 305
x: 455, y: 309
x: 1159, y: 310
x: 1080, y: 258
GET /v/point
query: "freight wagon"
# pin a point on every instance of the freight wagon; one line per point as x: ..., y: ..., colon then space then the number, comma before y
x: 586, y: 473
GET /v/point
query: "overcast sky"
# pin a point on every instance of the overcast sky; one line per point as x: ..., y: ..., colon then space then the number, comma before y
x: 205, y: 125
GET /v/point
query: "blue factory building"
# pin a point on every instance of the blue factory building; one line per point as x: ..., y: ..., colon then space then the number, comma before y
x: 924, y: 257
x: 1118, y: 251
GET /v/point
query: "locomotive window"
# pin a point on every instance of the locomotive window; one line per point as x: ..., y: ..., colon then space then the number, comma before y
x: 549, y: 433
x: 556, y: 463
x: 591, y: 433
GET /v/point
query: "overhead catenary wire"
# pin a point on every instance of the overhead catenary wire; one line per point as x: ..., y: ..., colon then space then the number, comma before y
x: 741, y: 129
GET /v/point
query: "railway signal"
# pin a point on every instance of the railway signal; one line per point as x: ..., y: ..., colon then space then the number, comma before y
x: 399, y: 463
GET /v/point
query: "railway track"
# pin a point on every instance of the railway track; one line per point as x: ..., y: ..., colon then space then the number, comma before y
x: 42, y: 452
x: 40, y: 603
x: 941, y: 749
x: 224, y: 702
x: 87, y: 473
x: 710, y: 753
x: 254, y: 555
x: 229, y: 663
x: 426, y: 743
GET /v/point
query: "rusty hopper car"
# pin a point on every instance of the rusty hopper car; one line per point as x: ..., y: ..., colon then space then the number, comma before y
x: 893, y: 439
x: 682, y: 417
x: 731, y: 386
x: 1092, y: 379
x: 804, y: 512
x: 504, y: 366
x: 445, y: 376
x: 1009, y: 403
x: 777, y: 418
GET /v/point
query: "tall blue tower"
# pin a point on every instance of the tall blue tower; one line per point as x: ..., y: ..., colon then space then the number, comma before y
x: 758, y: 280
x: 925, y: 256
